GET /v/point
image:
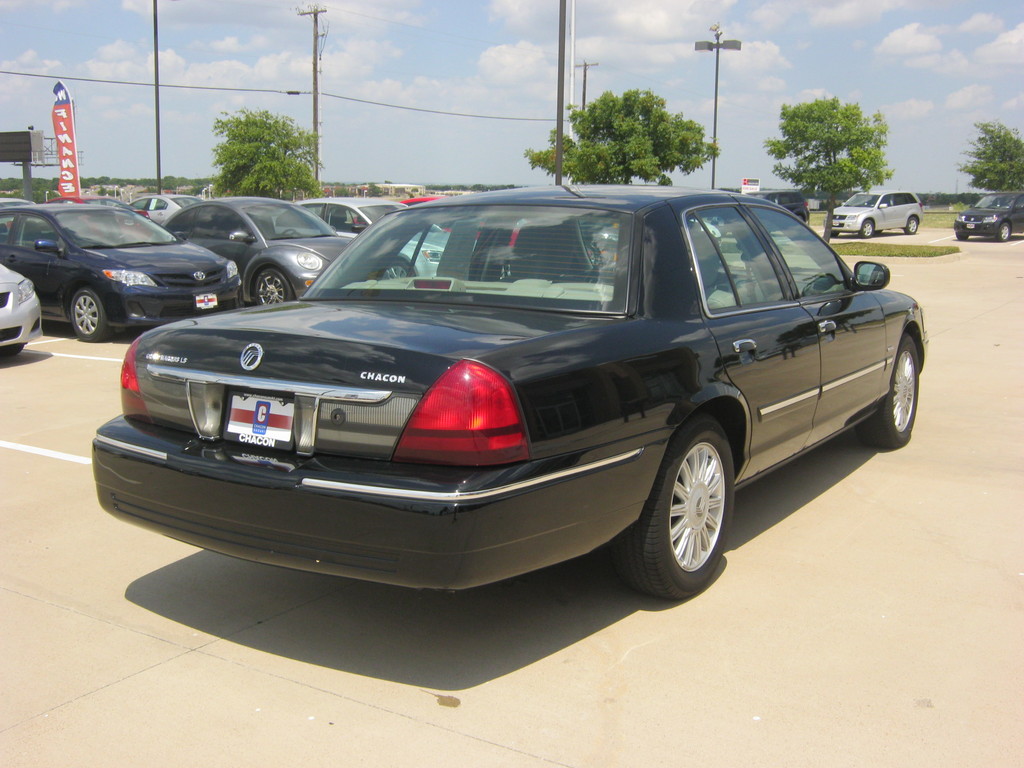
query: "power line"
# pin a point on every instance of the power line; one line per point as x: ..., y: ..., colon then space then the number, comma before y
x: 283, y: 92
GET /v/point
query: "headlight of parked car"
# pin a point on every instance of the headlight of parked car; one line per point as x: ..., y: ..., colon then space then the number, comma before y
x: 25, y: 290
x: 309, y: 261
x: 129, y: 277
x: 232, y: 270
x: 990, y: 219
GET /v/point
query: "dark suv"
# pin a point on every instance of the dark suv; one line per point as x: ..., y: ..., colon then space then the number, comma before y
x: 792, y: 200
x: 998, y: 216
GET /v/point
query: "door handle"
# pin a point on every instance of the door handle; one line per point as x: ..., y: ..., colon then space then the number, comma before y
x: 744, y: 345
x: 827, y: 326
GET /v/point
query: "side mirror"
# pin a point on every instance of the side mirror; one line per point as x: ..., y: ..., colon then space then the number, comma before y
x: 883, y: 205
x: 48, y: 246
x: 870, y: 276
x: 242, y: 236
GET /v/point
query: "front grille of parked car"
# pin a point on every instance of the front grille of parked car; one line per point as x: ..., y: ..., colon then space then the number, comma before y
x: 973, y: 218
x: 6, y: 334
x: 188, y: 279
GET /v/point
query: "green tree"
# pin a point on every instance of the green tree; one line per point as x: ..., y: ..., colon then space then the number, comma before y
x: 621, y: 138
x: 831, y: 147
x: 263, y: 154
x: 996, y: 158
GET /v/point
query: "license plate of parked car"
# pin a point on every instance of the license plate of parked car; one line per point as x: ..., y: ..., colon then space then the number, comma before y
x: 260, y: 420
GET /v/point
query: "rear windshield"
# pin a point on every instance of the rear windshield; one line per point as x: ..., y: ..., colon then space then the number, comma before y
x: 543, y: 257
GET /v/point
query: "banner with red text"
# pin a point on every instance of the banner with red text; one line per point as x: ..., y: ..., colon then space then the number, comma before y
x: 67, y: 152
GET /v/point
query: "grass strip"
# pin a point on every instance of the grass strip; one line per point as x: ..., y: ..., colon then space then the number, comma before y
x: 882, y: 250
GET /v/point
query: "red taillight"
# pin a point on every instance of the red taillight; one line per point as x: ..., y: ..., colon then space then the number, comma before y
x: 131, y: 396
x: 470, y: 417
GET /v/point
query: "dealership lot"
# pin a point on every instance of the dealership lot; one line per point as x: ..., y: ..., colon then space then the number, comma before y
x: 870, y: 611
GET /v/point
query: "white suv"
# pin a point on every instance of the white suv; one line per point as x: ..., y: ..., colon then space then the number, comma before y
x: 868, y: 212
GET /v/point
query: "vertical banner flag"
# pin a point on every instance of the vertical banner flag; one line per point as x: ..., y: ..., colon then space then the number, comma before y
x: 67, y: 153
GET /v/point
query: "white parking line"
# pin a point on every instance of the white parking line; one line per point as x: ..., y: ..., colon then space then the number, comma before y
x: 79, y: 357
x: 45, y: 452
x: 940, y: 240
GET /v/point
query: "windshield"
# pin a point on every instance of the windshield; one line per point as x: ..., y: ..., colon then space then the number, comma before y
x: 374, y: 212
x: 185, y: 202
x: 543, y: 257
x: 284, y: 221
x: 107, y: 227
x: 995, y: 201
x: 861, y: 200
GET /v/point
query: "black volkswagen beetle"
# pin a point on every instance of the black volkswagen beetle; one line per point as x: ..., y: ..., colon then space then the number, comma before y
x: 102, y: 268
x: 574, y: 366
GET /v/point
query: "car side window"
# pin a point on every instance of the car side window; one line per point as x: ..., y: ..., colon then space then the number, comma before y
x: 340, y: 217
x: 34, y: 228
x: 156, y: 204
x: 735, y: 269
x: 6, y: 222
x: 217, y: 223
x: 814, y: 267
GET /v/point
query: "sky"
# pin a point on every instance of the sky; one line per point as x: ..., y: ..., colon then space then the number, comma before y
x: 454, y: 91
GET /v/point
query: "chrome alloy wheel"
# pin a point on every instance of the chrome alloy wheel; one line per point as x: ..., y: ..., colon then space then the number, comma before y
x: 698, y: 504
x: 904, y: 386
x: 271, y: 288
x: 87, y: 314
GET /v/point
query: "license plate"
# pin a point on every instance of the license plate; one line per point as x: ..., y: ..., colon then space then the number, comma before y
x: 260, y: 420
x: 206, y: 301
x: 970, y: 226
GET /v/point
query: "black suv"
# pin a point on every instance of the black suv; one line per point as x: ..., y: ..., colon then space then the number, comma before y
x: 998, y: 216
x: 792, y: 200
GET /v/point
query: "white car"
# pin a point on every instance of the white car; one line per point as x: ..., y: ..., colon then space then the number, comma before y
x: 351, y: 214
x: 866, y: 213
x: 19, y: 312
x: 161, y: 207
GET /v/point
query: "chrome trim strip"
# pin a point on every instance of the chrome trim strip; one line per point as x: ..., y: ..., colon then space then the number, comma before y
x: 459, y: 496
x: 149, y: 453
x: 770, y: 409
x: 344, y: 394
x: 853, y: 376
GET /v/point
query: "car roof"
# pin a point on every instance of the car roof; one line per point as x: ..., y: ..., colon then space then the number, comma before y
x: 626, y: 197
x: 353, y: 201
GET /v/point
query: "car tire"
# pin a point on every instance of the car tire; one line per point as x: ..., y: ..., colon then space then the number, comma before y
x: 88, y: 317
x: 674, y: 550
x: 890, y: 426
x: 912, y: 225
x: 1004, y: 232
x: 867, y: 229
x: 962, y: 235
x: 11, y: 350
x: 835, y: 233
x: 272, y: 287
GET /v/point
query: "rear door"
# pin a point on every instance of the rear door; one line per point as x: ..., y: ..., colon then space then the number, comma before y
x: 850, y: 324
x: 768, y: 342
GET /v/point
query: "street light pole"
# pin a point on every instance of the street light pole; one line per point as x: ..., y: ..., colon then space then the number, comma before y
x: 156, y: 95
x: 717, y: 46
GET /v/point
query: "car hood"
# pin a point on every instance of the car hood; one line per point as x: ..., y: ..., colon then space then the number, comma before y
x: 985, y: 211
x: 159, y: 258
x: 382, y: 345
x: 328, y: 247
x: 848, y: 210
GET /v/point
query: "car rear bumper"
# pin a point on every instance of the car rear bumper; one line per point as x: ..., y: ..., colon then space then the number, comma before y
x: 414, y: 526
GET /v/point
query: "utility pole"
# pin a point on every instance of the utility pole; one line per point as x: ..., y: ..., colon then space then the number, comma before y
x: 560, y: 99
x: 315, y: 12
x: 585, y: 66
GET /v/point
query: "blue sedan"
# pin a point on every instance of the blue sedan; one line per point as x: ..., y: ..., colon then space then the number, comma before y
x: 103, y: 268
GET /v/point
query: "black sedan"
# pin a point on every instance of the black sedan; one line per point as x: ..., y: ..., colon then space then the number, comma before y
x: 279, y: 246
x: 102, y: 268
x: 529, y: 395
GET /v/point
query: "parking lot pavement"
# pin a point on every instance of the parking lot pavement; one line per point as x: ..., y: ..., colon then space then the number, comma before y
x: 869, y: 612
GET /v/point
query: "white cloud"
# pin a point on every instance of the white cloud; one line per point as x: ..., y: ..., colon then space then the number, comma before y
x: 513, y: 64
x: 950, y: 63
x: 970, y: 97
x: 1007, y: 49
x: 1017, y: 102
x: 910, y: 40
x: 813, y: 94
x: 981, y: 22
x: 911, y: 109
